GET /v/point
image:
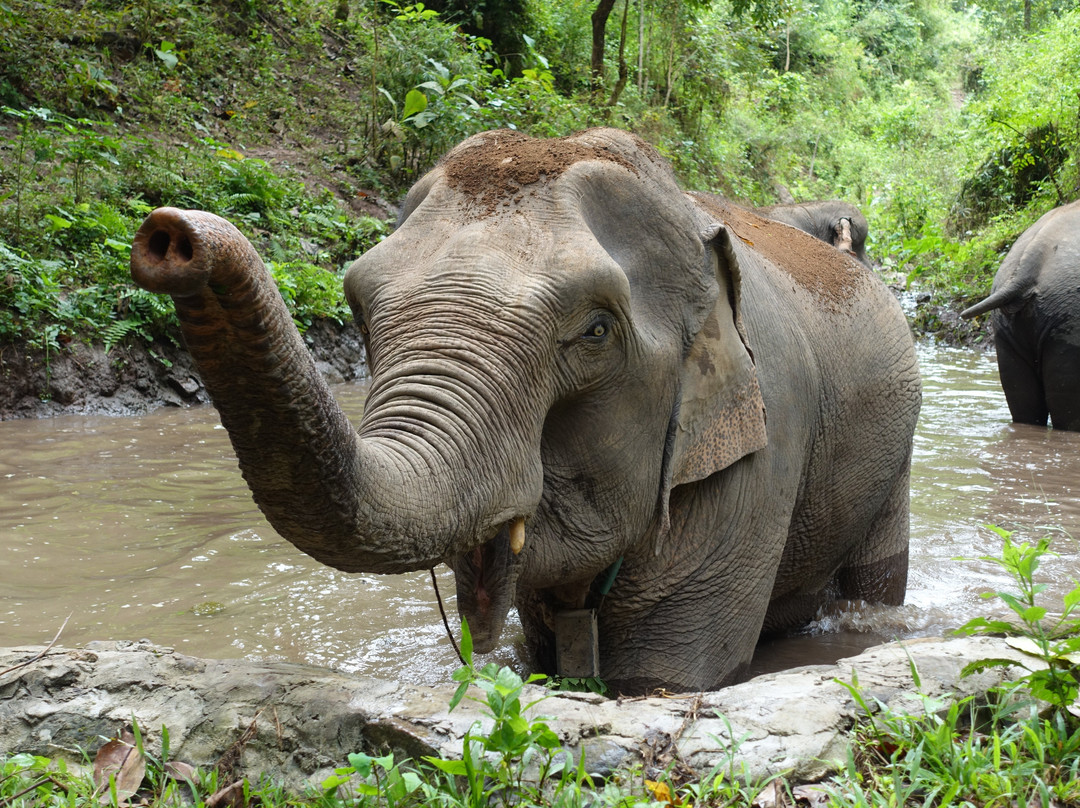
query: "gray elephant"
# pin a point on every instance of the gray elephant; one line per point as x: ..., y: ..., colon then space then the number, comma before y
x: 606, y: 401
x: 835, y: 222
x: 1035, y: 300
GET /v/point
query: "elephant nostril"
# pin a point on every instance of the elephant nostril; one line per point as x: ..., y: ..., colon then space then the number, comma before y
x: 158, y: 244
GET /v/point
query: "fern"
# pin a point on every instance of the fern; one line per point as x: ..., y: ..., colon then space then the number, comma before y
x: 117, y: 331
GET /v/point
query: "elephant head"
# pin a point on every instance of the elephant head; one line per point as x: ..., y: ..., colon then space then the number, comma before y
x: 832, y: 220
x: 550, y: 332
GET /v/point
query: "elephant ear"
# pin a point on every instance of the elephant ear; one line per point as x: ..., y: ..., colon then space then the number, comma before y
x: 721, y: 415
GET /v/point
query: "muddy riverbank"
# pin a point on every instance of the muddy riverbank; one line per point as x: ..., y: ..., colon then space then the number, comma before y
x: 135, y: 378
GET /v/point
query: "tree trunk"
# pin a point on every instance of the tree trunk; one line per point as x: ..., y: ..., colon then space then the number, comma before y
x: 641, y: 46
x: 624, y: 70
x: 599, y: 26
x: 670, y: 72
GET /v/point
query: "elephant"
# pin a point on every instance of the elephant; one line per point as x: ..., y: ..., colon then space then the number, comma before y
x: 648, y: 417
x: 1035, y: 305
x: 834, y: 221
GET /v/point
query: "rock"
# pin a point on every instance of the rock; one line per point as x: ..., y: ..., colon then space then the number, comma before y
x: 295, y: 723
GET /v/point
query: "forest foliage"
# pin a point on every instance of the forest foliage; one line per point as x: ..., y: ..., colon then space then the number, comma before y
x: 953, y: 125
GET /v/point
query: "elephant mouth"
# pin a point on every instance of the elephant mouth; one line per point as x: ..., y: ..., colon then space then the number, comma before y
x: 486, y: 579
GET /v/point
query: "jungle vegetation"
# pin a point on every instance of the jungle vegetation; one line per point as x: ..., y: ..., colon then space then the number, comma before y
x: 952, y: 124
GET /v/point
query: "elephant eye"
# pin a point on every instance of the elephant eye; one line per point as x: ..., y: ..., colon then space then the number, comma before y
x: 597, y: 330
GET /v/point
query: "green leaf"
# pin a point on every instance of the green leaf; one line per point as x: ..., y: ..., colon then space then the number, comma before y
x: 58, y: 222
x: 466, y: 642
x: 415, y: 102
x: 980, y: 665
x: 361, y: 763
x: 431, y: 85
x: 459, y: 694
x: 333, y: 781
x: 422, y: 119
x: 452, y: 767
x: 1072, y: 599
x: 508, y: 681
x: 168, y: 59
x: 980, y: 625
x: 1033, y: 614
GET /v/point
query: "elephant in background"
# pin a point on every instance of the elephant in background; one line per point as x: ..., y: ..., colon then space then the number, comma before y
x: 1035, y: 312
x: 577, y: 368
x: 835, y: 222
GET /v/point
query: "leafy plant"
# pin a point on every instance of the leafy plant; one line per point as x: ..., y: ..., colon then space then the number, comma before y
x: 380, y: 777
x: 1054, y: 640
x: 494, y: 762
x: 956, y: 753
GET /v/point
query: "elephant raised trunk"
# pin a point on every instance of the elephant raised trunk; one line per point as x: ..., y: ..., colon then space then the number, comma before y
x: 392, y: 501
x: 563, y: 342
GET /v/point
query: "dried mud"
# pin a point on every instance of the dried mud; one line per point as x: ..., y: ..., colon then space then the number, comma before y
x: 500, y: 166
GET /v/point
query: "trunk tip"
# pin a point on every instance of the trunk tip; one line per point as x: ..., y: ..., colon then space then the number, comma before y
x: 165, y: 254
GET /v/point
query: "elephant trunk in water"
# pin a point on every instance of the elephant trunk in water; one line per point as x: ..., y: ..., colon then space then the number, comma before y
x: 385, y: 502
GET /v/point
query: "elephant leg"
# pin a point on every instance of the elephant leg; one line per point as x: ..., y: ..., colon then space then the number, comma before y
x: 690, y: 618
x: 1061, y: 384
x: 1021, y: 382
x: 877, y: 572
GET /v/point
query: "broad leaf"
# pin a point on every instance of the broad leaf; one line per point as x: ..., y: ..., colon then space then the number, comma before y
x: 415, y: 102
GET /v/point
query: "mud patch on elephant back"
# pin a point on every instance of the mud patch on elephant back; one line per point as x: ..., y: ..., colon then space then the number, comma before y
x: 499, y: 168
x: 819, y: 268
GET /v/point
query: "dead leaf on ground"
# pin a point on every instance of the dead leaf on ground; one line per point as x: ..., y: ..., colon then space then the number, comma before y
x: 178, y: 770
x: 121, y: 760
x: 816, y: 795
x: 772, y: 796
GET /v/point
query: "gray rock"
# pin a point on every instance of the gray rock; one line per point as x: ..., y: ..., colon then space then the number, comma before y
x: 295, y: 723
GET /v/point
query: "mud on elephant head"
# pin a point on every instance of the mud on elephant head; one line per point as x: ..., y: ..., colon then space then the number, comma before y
x: 574, y: 364
x: 1035, y: 305
x: 835, y: 222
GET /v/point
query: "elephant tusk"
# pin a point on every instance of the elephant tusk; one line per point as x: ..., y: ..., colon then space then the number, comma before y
x: 517, y: 535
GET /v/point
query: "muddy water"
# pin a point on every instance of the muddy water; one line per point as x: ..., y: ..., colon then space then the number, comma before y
x: 131, y: 528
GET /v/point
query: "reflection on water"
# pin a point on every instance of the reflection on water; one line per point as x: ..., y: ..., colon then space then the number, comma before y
x: 142, y: 528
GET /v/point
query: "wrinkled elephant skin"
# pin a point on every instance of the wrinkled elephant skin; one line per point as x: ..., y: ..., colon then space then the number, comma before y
x: 575, y: 364
x: 835, y: 222
x: 1035, y: 305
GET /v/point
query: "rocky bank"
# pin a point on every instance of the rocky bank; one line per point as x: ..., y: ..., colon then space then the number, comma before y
x: 295, y: 723
x: 134, y: 378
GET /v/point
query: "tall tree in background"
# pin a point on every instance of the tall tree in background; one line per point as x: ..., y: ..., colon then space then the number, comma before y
x: 599, y: 33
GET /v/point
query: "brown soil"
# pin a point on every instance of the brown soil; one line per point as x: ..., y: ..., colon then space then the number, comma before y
x: 813, y: 264
x: 497, y: 166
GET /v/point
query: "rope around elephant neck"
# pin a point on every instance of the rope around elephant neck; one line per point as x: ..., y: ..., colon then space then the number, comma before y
x: 445, y: 622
